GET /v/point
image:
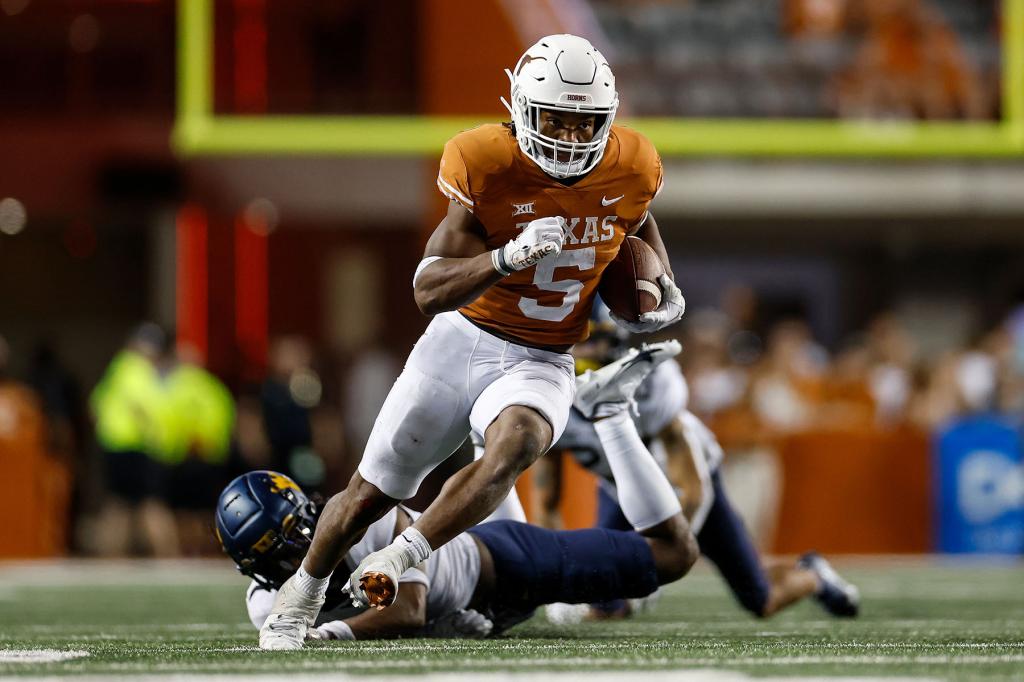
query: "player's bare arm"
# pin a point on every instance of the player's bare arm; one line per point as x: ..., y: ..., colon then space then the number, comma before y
x: 464, y: 269
x: 406, y: 616
x: 681, y: 467
x: 457, y: 267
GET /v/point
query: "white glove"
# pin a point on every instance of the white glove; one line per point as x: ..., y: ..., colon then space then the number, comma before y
x: 461, y: 624
x: 668, y: 313
x: 335, y: 629
x: 543, y: 237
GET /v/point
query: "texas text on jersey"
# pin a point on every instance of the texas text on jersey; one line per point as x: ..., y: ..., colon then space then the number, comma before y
x: 486, y: 172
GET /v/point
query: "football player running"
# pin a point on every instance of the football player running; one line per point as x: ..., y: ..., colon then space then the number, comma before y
x: 486, y: 579
x: 537, y: 209
x: 690, y: 454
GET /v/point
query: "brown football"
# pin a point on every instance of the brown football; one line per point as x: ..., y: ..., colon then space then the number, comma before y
x: 629, y: 285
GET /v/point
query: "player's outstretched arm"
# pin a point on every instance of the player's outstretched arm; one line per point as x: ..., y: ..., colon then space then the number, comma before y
x: 407, y: 616
x: 682, y: 468
x: 457, y: 266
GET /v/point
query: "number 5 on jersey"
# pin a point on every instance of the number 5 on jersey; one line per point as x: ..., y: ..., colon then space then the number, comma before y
x: 582, y: 259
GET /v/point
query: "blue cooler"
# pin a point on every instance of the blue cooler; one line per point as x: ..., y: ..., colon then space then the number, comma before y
x: 980, y: 487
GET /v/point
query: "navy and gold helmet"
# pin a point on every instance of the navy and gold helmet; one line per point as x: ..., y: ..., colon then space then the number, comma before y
x: 265, y: 523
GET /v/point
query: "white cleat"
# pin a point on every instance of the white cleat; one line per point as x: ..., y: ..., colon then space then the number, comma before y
x: 375, y: 580
x: 290, y: 619
x: 566, y: 614
x: 605, y: 391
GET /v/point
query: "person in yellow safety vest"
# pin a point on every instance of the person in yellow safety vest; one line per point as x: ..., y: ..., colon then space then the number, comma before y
x: 127, y: 405
x: 200, y: 416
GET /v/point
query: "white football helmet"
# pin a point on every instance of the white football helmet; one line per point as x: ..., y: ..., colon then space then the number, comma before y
x: 562, y: 73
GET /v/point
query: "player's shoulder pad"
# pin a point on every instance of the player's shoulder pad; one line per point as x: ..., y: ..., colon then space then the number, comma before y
x: 637, y: 156
x: 486, y: 150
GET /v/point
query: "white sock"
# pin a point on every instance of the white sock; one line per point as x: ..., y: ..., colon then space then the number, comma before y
x: 314, y: 588
x: 414, y: 547
x: 645, y: 495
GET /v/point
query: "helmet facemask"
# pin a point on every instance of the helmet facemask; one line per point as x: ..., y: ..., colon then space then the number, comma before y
x: 546, y: 152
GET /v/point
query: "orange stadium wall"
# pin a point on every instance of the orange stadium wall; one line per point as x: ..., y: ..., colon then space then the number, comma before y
x: 842, y: 492
x: 460, y: 76
x: 859, y: 492
x: 37, y: 484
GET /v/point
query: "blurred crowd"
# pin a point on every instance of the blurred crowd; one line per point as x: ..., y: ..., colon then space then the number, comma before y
x: 755, y: 383
x: 909, y: 61
x: 880, y: 59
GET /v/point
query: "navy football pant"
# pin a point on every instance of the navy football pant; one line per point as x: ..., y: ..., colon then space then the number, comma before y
x: 537, y: 566
x: 723, y: 539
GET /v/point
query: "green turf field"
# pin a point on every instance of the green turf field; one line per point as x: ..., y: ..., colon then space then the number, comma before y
x: 937, y: 619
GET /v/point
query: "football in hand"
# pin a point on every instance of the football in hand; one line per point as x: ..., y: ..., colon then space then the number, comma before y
x: 629, y: 285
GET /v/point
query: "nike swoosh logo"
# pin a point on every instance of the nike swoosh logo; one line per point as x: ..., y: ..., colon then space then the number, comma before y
x: 609, y: 202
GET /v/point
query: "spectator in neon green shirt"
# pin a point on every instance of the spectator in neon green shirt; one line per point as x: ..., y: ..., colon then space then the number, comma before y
x: 128, y: 406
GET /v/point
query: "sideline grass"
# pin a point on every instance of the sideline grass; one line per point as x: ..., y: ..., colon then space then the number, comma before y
x: 940, y: 619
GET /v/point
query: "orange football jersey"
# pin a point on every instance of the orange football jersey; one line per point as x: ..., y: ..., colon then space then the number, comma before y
x: 548, y: 304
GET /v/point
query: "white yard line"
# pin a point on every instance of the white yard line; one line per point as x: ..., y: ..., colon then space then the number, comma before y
x: 626, y: 676
x: 39, y: 655
x: 421, y: 646
x: 143, y: 627
x: 589, y: 667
